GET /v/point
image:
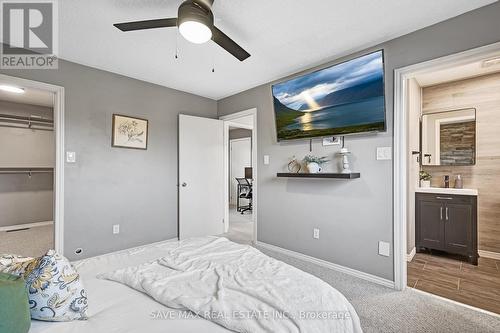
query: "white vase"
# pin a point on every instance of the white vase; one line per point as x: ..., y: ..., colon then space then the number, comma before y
x: 313, y: 167
x: 425, y: 183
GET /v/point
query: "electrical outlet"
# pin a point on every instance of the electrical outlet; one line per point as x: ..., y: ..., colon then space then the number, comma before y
x: 332, y: 140
x: 266, y: 159
x: 70, y: 157
x: 116, y: 229
x: 316, y: 233
x: 384, y: 248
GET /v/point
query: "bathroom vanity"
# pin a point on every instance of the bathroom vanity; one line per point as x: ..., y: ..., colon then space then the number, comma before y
x: 446, y: 220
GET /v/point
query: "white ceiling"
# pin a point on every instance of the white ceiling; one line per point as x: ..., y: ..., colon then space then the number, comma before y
x: 283, y: 37
x: 30, y: 96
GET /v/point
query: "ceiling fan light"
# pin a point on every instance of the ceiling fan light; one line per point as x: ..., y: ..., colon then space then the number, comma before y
x: 195, y: 32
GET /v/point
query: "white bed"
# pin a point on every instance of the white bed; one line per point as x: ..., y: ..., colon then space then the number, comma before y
x: 115, y: 307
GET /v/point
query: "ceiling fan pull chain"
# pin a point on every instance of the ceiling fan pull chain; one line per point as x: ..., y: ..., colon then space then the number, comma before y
x: 177, y: 45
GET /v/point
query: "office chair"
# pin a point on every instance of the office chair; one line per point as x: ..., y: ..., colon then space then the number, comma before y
x: 244, y: 192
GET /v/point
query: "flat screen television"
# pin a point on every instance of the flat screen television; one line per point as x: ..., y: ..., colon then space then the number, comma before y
x: 343, y: 99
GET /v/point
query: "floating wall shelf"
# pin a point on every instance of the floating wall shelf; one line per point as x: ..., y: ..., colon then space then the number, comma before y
x: 351, y: 175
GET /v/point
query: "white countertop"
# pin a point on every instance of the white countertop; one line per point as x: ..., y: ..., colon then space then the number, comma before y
x: 440, y: 190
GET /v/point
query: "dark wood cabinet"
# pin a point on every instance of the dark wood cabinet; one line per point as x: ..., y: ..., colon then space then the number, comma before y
x: 447, y: 223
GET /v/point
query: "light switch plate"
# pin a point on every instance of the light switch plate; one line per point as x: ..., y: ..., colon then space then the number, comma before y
x: 70, y: 156
x: 116, y: 229
x: 384, y: 153
x: 384, y: 248
x: 266, y: 159
x: 316, y: 233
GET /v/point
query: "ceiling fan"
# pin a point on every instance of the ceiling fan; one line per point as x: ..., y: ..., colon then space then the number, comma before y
x: 195, y: 21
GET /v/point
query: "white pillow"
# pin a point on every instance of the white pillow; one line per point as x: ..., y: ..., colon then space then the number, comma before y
x: 55, y: 291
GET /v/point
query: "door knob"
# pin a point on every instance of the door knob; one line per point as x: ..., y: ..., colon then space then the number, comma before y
x: 184, y: 184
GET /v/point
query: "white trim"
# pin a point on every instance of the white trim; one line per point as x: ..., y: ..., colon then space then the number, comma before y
x: 229, y: 121
x: 456, y: 303
x: 327, y: 264
x: 26, y: 226
x: 488, y: 254
x: 59, y: 163
x: 409, y: 257
x: 401, y: 75
x: 239, y: 125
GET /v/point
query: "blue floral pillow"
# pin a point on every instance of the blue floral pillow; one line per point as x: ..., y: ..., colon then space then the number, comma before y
x: 55, y: 290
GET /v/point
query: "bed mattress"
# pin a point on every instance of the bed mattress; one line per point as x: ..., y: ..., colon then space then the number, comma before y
x: 114, y: 307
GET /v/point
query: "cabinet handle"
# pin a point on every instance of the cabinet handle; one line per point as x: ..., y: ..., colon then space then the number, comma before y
x: 441, y: 213
x: 444, y: 198
x: 447, y: 214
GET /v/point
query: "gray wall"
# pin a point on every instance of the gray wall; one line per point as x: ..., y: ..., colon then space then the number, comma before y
x: 239, y: 133
x: 352, y: 215
x: 24, y: 199
x: 134, y: 188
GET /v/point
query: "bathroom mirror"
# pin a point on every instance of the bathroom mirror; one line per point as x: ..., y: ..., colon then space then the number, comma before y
x: 449, y: 138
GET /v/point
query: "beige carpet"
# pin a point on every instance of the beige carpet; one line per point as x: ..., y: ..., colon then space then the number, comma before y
x: 33, y: 242
x: 240, y: 227
x: 384, y: 310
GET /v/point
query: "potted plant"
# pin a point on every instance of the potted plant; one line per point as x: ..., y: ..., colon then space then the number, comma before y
x: 314, y: 163
x: 425, y: 179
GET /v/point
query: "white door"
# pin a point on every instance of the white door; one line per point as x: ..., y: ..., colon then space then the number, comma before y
x: 240, y: 152
x: 414, y: 107
x: 201, y: 177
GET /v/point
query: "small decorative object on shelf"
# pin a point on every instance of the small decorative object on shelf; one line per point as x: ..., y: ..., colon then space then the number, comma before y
x: 425, y: 179
x: 294, y: 166
x: 344, y: 152
x: 314, y: 163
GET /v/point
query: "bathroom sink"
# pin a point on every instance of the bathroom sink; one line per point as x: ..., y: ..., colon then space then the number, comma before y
x: 442, y: 190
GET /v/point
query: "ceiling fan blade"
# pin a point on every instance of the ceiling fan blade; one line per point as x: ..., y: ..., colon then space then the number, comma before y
x: 228, y: 44
x: 148, y: 24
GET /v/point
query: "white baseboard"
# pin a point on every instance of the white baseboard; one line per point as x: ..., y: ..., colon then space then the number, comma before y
x: 409, y: 257
x: 327, y: 264
x: 488, y: 254
x: 27, y: 225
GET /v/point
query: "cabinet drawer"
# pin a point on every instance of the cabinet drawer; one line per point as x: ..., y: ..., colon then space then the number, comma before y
x: 456, y: 199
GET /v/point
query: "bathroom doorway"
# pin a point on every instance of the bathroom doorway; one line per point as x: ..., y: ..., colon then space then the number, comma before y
x: 449, y: 241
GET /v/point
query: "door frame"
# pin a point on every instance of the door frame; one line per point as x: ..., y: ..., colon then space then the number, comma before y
x: 230, y: 120
x: 58, y: 92
x: 230, y: 159
x: 400, y: 167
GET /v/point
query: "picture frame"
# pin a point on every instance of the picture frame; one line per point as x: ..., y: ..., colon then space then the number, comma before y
x: 129, y: 132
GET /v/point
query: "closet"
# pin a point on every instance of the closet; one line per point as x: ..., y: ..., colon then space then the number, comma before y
x: 27, y: 161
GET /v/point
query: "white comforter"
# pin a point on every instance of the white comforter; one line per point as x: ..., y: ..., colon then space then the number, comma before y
x: 241, y: 289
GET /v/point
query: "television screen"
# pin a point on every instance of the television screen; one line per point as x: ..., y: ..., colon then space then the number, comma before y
x: 342, y: 99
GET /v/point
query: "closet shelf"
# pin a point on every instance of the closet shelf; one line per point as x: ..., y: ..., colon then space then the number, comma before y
x: 25, y: 170
x: 36, y: 123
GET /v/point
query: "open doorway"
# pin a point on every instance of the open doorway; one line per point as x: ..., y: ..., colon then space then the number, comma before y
x: 446, y: 157
x: 240, y: 166
x: 31, y: 173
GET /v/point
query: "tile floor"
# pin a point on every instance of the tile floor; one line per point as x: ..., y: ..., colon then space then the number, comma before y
x: 454, y: 278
